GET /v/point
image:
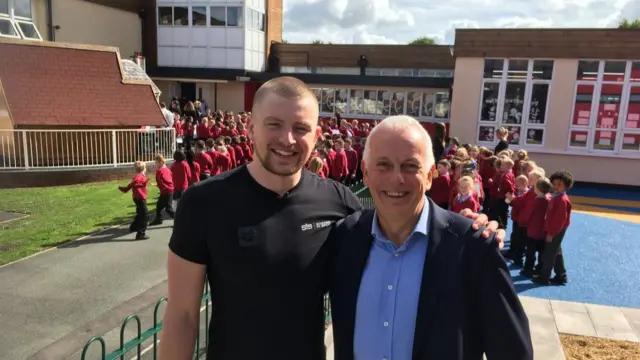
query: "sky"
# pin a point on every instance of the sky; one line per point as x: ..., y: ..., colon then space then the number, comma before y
x: 400, y: 21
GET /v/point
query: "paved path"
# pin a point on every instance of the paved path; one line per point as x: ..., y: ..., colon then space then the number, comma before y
x: 61, y: 291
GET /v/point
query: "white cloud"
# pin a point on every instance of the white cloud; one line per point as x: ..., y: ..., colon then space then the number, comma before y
x: 400, y: 21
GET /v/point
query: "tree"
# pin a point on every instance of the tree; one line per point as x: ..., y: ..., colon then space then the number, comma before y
x: 423, y: 40
x: 320, y: 42
x: 626, y: 24
x: 285, y: 41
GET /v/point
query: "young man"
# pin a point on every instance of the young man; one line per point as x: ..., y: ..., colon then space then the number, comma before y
x: 267, y: 261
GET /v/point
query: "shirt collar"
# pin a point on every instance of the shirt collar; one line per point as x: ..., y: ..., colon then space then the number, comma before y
x: 420, y: 228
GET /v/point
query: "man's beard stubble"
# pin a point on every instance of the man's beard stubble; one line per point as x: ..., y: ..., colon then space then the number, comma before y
x: 266, y: 163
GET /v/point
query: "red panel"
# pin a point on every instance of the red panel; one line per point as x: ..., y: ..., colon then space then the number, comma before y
x: 582, y: 111
x: 250, y: 89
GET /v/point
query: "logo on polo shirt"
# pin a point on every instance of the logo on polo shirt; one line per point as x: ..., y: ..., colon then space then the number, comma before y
x: 316, y: 225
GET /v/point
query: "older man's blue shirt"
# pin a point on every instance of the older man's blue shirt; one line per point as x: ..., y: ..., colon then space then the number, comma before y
x: 387, y: 303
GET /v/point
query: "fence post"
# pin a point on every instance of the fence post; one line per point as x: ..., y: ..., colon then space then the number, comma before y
x: 25, y: 149
x: 114, y: 148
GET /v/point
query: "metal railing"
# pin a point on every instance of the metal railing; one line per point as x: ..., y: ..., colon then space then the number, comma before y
x: 63, y: 149
x: 152, y: 333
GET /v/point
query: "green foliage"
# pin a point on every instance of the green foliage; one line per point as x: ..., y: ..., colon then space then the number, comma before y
x: 423, y: 40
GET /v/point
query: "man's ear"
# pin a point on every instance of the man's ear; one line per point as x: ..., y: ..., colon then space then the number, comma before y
x: 250, y: 127
x: 365, y: 173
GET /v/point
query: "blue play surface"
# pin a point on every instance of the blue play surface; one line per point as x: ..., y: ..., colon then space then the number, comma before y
x: 602, y: 257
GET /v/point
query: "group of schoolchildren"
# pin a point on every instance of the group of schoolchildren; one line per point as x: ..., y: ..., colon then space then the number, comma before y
x: 213, y: 153
x: 471, y: 177
x: 339, y: 150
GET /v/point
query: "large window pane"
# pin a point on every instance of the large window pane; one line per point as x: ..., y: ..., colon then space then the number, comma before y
x: 4, y: 7
x: 489, y: 101
x: 605, y: 140
x: 356, y: 101
x: 518, y: 69
x: 340, y: 105
x: 234, y: 16
x: 6, y: 28
x: 633, y: 110
x: 386, y: 101
x: 180, y: 16
x: 397, y: 103
x: 631, y: 142
x: 165, y: 15
x: 370, y: 102
x: 538, y: 104
x: 441, y: 110
x: 217, y: 16
x: 28, y: 30
x: 579, y: 138
x: 542, y: 70
x: 513, y: 103
x: 413, y: 103
x: 328, y: 98
x: 534, y: 136
x: 318, y: 93
x: 588, y: 70
x: 22, y: 8
x: 261, y: 24
x: 427, y: 105
x: 486, y: 133
x: 609, y: 106
x: 255, y: 20
x: 199, y: 16
x: 493, y: 68
x: 635, y: 72
x: 614, y: 70
x: 514, y: 135
x: 582, y: 106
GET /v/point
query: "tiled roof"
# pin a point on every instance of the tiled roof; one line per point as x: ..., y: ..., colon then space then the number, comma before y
x: 52, y: 84
x: 133, y: 71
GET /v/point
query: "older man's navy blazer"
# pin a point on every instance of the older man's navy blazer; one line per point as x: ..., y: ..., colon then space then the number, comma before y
x: 467, y: 303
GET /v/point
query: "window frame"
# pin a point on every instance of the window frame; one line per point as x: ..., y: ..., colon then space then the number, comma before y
x: 18, y: 17
x: 621, y: 128
x: 524, y: 125
x: 35, y: 28
x: 13, y: 25
x: 366, y: 116
x: 158, y: 16
x: 206, y: 16
x: 242, y: 21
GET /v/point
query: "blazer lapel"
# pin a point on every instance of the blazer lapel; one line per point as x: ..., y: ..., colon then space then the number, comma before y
x: 440, y: 254
x: 357, y: 257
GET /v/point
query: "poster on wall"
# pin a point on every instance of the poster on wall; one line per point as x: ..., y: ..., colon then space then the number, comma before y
x: 631, y: 142
x: 633, y: 111
x: 514, y: 135
x: 579, y: 138
x: 413, y: 103
x: 609, y: 106
x: 486, y: 133
x: 604, y: 140
x: 489, y: 102
x: 513, y: 103
x: 538, y: 103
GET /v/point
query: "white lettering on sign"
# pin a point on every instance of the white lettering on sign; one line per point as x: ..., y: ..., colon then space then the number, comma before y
x: 306, y: 227
x: 322, y: 224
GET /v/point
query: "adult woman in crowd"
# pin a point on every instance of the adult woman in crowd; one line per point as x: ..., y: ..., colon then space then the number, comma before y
x: 439, y: 141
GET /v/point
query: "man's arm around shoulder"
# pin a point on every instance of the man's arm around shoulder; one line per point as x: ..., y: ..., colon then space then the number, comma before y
x: 504, y: 324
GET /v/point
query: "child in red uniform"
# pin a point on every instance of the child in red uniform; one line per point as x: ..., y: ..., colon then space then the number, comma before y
x: 466, y: 198
x: 487, y: 172
x: 246, y: 149
x: 441, y: 186
x: 139, y: 192
x: 339, y: 165
x: 194, y: 167
x: 352, y: 161
x: 210, y: 146
x: 536, y: 212
x: 204, y: 160
x: 223, y: 160
x: 315, y: 166
x: 558, y: 219
x: 180, y: 173
x: 505, y: 184
x: 164, y: 181
x: 518, y: 239
x: 523, y: 202
x: 322, y: 154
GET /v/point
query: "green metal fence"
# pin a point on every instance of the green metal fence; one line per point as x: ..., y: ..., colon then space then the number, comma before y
x: 134, y: 346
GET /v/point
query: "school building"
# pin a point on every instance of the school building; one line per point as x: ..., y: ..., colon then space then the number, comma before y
x: 570, y: 97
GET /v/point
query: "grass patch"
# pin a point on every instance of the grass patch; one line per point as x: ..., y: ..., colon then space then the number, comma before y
x: 591, y: 348
x: 62, y: 213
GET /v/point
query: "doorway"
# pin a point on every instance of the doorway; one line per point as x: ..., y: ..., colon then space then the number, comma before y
x: 188, y: 91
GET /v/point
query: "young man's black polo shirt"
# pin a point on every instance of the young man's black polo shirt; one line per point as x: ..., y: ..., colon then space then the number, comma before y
x: 265, y: 260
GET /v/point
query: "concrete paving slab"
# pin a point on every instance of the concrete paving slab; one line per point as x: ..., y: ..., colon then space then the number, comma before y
x: 633, y: 317
x: 611, y: 323
x: 9, y: 216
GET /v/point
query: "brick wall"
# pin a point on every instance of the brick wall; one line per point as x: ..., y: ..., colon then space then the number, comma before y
x: 274, y: 23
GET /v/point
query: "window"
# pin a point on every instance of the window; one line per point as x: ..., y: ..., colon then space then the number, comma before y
x: 4, y: 7
x: 180, y: 16
x: 165, y: 15
x: 261, y: 23
x: 22, y: 9
x: 28, y: 30
x: 255, y: 20
x: 198, y: 16
x: 7, y: 29
x: 234, y: 16
x: 218, y: 16
x: 606, y: 110
x: 515, y: 94
x: 380, y: 103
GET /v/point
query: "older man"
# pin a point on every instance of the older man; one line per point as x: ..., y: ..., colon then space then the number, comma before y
x: 263, y: 251
x: 410, y: 280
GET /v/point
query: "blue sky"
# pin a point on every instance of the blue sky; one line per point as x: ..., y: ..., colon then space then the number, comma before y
x: 400, y: 21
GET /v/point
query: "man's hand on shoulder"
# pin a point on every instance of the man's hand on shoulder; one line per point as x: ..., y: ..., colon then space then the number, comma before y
x: 480, y: 220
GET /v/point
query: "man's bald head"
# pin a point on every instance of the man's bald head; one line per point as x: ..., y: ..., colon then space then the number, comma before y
x: 287, y: 87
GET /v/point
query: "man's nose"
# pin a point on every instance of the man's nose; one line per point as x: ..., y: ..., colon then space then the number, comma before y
x: 287, y: 138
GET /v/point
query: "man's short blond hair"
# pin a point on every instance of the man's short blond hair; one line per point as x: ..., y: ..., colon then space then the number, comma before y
x: 285, y: 86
